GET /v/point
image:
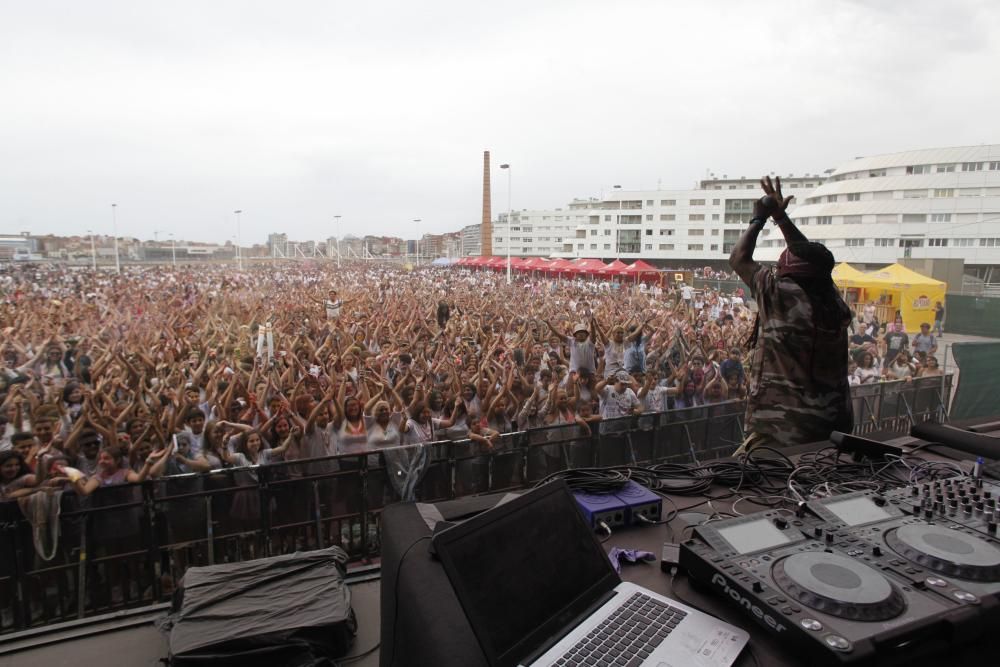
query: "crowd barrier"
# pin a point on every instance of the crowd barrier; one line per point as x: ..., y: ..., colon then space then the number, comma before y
x: 125, y: 546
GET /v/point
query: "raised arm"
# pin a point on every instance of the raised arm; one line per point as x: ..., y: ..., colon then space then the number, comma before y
x: 772, y: 204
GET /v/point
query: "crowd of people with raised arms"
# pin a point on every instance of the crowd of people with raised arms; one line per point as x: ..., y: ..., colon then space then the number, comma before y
x: 109, y: 378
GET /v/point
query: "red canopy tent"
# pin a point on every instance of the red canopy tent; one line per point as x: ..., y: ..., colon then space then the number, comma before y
x: 640, y: 269
x: 615, y: 268
x: 514, y: 263
x: 559, y: 266
x: 479, y: 262
x: 533, y: 264
x: 588, y: 267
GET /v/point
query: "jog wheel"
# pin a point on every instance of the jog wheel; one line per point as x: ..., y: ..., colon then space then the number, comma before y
x: 839, y: 586
x: 946, y: 551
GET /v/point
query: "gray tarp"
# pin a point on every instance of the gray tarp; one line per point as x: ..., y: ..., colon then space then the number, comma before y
x: 978, y: 392
x: 293, y: 609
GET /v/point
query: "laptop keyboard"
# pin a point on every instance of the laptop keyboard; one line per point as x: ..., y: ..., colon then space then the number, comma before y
x: 626, y: 637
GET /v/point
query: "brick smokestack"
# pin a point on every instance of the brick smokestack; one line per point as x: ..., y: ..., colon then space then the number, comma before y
x: 486, y: 229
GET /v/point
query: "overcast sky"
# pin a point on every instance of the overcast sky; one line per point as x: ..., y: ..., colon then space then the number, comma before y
x: 181, y: 112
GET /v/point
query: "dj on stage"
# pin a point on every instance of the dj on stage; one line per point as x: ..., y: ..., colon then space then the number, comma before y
x: 799, y: 391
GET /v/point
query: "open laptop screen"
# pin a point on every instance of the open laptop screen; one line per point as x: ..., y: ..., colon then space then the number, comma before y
x: 523, y: 570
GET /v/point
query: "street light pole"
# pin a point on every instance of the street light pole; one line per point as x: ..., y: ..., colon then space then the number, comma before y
x: 173, y: 248
x: 114, y: 227
x: 509, y: 212
x: 239, y: 255
x: 93, y: 250
x: 336, y: 220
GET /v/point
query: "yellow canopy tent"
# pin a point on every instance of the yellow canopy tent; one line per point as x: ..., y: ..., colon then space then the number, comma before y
x: 845, y: 275
x: 896, y: 288
x: 851, y: 283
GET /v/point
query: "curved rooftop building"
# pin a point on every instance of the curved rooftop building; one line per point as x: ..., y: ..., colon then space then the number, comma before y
x: 937, y: 203
x: 940, y: 203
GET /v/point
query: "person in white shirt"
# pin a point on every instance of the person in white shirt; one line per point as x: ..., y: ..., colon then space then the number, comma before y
x: 617, y: 398
x: 332, y: 304
x: 686, y: 293
x: 582, y: 355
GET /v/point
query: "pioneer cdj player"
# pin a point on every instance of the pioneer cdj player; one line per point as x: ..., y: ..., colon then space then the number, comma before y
x: 854, y: 579
x: 966, y: 501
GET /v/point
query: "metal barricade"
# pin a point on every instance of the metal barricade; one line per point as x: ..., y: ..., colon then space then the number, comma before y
x: 125, y: 546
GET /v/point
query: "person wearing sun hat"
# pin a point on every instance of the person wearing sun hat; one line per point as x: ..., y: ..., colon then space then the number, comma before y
x: 799, y: 391
x: 582, y: 355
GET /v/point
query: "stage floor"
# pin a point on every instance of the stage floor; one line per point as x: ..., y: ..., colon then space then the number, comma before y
x: 143, y: 646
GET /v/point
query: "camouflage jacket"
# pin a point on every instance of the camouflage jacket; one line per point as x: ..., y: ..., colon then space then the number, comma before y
x: 799, y: 390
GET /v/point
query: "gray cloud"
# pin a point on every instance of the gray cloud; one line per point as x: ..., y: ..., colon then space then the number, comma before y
x: 299, y: 111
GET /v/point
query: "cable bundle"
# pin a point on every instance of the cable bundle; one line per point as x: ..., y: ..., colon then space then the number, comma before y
x: 764, y: 476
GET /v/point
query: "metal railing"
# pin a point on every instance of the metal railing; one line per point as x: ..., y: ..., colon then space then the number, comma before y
x: 125, y: 546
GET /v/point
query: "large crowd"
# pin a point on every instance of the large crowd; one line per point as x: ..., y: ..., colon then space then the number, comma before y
x: 109, y: 379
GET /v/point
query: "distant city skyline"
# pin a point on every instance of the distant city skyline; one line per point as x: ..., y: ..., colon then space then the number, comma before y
x: 183, y: 113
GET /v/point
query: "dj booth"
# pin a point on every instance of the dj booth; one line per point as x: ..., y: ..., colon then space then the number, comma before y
x: 424, y: 624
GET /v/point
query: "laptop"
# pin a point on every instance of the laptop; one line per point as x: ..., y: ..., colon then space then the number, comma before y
x: 538, y: 589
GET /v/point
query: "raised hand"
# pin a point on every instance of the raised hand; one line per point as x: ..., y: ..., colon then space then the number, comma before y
x: 772, y: 204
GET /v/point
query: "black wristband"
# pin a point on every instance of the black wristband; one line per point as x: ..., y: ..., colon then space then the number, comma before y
x: 762, y: 221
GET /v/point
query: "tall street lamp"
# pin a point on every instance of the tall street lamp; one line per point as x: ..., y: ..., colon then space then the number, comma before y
x: 114, y: 227
x: 336, y: 220
x: 239, y: 255
x: 509, y: 211
x: 173, y: 248
x: 93, y: 250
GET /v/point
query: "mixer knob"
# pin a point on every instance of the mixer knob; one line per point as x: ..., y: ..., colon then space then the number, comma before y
x: 818, y: 531
x: 979, y: 482
x: 914, y: 491
x: 951, y: 494
x: 829, y: 538
x: 876, y: 551
x: 979, y: 506
x: 928, y: 513
x: 953, y: 502
x: 961, y: 492
x: 757, y: 587
x: 987, y: 494
x: 781, y: 523
x: 991, y: 527
x: 967, y: 509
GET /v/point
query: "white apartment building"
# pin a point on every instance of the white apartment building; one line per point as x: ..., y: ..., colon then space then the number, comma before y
x: 937, y: 203
x: 933, y: 203
x: 677, y: 226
